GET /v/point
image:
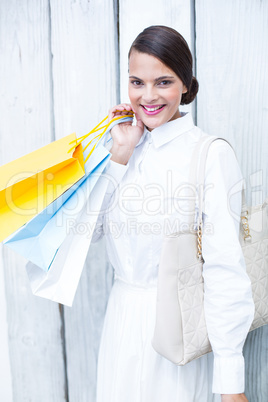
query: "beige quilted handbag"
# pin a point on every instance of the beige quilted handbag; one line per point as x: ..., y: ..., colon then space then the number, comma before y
x: 180, y: 329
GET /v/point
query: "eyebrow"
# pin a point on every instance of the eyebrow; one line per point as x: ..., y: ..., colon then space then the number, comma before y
x: 164, y: 77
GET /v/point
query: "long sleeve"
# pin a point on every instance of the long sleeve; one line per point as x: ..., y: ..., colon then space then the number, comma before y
x: 228, y: 303
x: 114, y: 172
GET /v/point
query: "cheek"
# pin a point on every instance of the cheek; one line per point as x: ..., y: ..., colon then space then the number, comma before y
x: 130, y: 94
x: 174, y: 96
x: 133, y: 96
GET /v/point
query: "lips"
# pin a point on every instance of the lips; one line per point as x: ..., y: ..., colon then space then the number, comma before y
x: 152, y: 109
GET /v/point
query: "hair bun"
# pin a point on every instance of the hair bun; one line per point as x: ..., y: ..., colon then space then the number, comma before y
x: 189, y: 96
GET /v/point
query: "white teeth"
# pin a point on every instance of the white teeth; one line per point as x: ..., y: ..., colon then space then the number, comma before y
x: 152, y: 109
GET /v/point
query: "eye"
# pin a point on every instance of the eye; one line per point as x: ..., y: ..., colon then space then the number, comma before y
x: 164, y: 83
x: 136, y: 83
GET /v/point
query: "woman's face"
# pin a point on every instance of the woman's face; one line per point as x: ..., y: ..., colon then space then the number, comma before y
x: 154, y: 90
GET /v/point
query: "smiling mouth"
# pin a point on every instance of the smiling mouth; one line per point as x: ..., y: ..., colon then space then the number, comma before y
x: 153, y: 108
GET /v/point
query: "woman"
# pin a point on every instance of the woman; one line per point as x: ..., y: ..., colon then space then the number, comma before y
x: 149, y: 163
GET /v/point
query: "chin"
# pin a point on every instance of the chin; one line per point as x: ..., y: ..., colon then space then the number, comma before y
x: 150, y: 124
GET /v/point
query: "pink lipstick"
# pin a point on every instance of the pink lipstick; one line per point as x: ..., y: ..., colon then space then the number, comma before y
x: 152, y: 110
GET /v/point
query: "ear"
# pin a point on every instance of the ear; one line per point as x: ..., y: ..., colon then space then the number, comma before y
x: 184, y: 90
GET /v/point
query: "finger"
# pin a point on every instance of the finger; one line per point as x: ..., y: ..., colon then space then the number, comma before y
x: 137, y: 117
x: 114, y: 111
x: 139, y: 122
x: 124, y: 109
x: 121, y: 107
x: 119, y: 110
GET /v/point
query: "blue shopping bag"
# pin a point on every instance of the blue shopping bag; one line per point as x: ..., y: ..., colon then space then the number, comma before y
x: 39, y: 239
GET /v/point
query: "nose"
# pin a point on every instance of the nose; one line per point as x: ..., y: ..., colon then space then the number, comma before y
x: 149, y: 94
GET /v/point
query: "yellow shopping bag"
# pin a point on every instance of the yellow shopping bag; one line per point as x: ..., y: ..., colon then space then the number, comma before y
x: 29, y: 184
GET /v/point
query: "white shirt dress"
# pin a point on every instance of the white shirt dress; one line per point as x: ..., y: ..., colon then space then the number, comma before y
x: 145, y: 201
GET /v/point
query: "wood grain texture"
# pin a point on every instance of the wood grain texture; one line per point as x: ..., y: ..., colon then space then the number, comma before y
x: 232, y: 65
x: 256, y: 361
x: 179, y: 14
x: 34, y: 326
x: 84, y: 63
x: 85, y: 86
x: 6, y: 393
x: 25, y: 98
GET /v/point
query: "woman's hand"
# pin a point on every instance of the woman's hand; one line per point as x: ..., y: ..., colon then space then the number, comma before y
x: 125, y: 136
x: 234, y: 398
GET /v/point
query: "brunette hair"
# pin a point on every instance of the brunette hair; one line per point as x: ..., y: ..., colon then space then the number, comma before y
x: 167, y: 45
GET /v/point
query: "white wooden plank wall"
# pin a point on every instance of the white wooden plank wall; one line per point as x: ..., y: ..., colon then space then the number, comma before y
x: 5, y: 369
x: 84, y: 42
x: 34, y: 324
x: 231, y: 52
x: 232, y: 65
x: 59, y: 73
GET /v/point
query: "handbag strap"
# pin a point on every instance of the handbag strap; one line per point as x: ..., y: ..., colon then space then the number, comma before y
x: 197, y: 178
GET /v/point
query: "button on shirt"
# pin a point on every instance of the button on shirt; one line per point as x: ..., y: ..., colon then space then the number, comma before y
x: 147, y: 198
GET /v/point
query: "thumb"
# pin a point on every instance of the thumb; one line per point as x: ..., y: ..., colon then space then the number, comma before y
x: 139, y: 121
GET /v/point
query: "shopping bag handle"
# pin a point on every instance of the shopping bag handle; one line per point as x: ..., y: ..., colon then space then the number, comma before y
x: 103, y: 130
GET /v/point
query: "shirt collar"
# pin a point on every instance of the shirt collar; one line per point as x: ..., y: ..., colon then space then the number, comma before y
x: 170, y: 130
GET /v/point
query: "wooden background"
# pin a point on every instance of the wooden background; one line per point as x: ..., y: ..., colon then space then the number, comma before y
x: 62, y: 65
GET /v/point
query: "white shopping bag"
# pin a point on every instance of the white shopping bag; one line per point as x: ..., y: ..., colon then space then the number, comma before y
x: 59, y: 284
